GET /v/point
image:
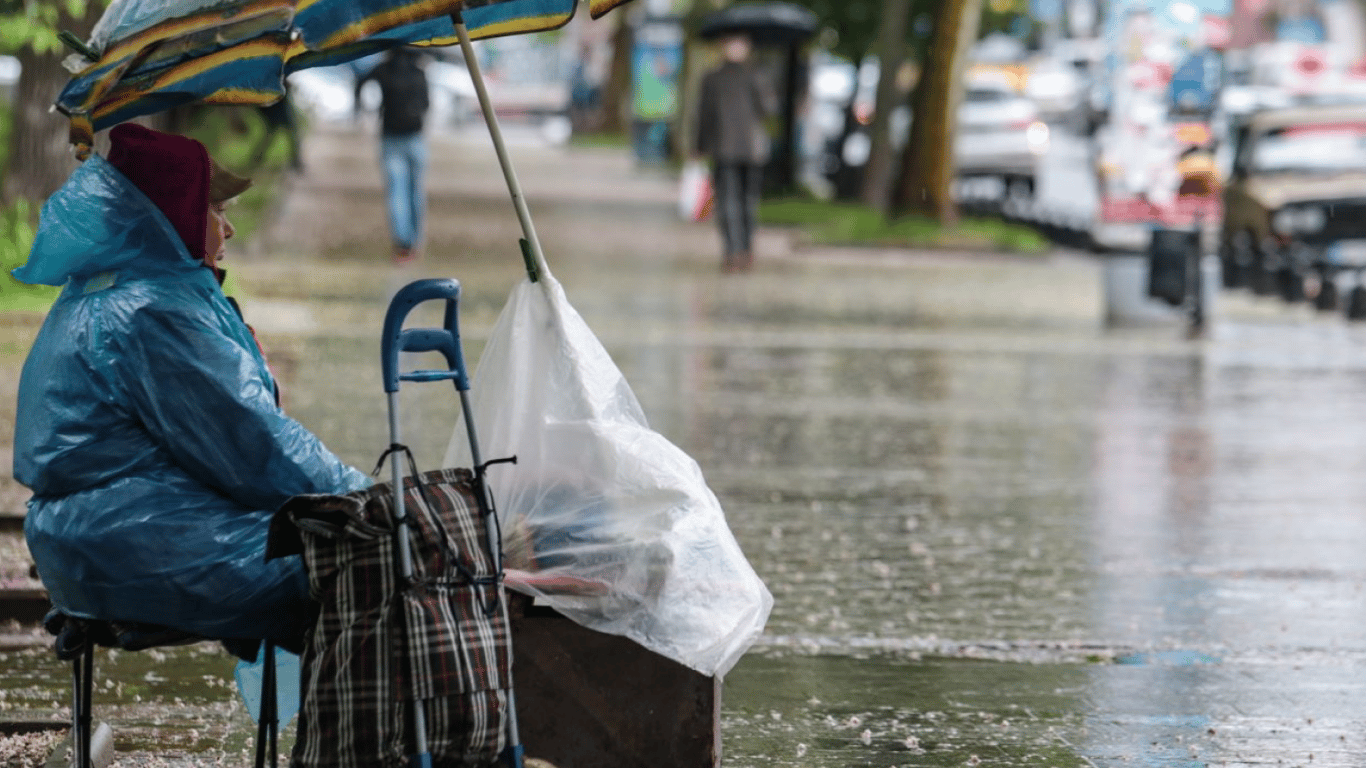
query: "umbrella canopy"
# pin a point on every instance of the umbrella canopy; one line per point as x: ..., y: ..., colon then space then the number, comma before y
x: 146, y: 56
x: 765, y: 23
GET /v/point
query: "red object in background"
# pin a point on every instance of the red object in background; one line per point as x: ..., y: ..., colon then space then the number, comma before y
x: 1218, y: 31
x: 1301, y: 130
x: 1310, y: 63
x: 1147, y: 75
x: 1183, y: 212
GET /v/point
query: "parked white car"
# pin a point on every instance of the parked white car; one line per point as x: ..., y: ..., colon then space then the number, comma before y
x: 1000, y: 133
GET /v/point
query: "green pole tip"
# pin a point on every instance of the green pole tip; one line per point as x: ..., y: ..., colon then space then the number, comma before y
x: 70, y: 40
x: 532, y: 271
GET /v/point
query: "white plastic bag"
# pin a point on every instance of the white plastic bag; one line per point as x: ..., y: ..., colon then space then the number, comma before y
x: 695, y: 193
x: 615, y: 524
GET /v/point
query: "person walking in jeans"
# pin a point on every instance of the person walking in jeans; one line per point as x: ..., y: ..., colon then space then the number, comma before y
x: 734, y: 103
x: 403, y: 152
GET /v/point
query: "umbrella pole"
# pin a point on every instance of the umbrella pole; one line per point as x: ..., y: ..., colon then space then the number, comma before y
x: 532, y: 246
x: 533, y: 243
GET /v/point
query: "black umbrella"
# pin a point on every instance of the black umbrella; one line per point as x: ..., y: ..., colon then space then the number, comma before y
x: 765, y: 23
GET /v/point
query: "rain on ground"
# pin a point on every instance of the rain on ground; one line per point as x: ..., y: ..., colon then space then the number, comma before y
x: 998, y: 532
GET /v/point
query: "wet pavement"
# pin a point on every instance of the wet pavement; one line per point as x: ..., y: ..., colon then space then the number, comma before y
x: 997, y: 532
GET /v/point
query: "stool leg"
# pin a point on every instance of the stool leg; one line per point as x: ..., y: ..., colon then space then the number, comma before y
x: 267, y: 729
x: 271, y: 692
x: 82, y: 689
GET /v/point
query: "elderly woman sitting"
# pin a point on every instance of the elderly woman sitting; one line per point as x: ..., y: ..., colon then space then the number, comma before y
x: 148, y: 426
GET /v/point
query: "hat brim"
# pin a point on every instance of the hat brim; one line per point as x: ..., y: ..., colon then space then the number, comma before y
x: 224, y: 185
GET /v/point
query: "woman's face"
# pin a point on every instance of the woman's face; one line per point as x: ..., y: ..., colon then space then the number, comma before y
x: 219, y: 232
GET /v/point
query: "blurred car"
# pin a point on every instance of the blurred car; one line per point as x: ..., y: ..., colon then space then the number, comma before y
x: 1000, y: 139
x: 1055, y: 86
x: 9, y: 77
x: 1000, y: 135
x: 997, y: 48
x: 1295, y: 202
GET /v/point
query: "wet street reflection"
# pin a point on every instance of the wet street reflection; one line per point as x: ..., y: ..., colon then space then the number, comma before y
x: 997, y: 532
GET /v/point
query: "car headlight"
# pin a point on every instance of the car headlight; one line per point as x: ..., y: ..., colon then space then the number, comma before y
x: 1313, y: 219
x: 1037, y: 136
x: 857, y: 148
x: 1299, y: 220
x: 1283, y: 221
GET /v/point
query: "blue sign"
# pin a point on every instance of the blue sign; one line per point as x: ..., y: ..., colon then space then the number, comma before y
x: 1046, y: 10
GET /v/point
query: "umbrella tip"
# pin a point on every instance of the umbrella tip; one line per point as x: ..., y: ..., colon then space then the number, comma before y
x: 532, y: 269
x: 70, y: 40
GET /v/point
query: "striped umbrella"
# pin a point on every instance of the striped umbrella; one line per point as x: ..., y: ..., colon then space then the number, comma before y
x: 146, y: 56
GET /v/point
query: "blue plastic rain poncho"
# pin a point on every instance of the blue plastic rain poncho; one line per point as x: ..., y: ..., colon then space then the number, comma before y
x: 149, y: 432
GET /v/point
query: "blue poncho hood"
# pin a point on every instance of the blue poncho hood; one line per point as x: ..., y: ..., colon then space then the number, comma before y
x: 100, y: 221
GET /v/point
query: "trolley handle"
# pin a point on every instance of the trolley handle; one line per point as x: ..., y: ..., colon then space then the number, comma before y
x: 445, y: 340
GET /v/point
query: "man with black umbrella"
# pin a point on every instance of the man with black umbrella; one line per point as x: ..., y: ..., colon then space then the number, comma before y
x: 734, y: 104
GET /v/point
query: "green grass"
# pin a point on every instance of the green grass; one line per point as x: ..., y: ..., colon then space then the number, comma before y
x: 600, y: 140
x: 229, y: 140
x: 838, y: 223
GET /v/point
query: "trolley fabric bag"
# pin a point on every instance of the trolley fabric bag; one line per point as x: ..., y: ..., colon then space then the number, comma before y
x: 362, y: 664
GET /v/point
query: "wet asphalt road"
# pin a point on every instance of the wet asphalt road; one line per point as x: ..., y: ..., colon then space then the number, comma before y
x: 997, y: 532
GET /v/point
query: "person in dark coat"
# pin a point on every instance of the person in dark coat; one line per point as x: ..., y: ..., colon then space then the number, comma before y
x: 735, y: 101
x: 403, y: 152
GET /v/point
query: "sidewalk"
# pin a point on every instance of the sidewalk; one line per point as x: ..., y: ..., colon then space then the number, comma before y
x: 877, y: 383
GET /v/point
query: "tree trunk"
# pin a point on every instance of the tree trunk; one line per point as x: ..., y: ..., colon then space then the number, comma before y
x: 616, y: 96
x: 927, y: 167
x: 40, y: 157
x: 891, y: 48
x: 782, y: 169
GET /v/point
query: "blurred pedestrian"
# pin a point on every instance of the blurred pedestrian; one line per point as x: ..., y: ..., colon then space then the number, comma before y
x: 735, y: 102
x: 403, y: 151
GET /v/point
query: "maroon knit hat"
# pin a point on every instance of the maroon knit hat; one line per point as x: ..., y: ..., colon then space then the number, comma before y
x: 173, y: 171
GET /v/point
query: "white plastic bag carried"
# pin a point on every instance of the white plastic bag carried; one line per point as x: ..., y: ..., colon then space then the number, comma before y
x: 695, y: 193
x: 614, y: 522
